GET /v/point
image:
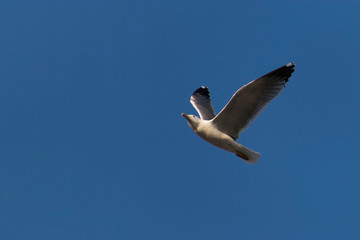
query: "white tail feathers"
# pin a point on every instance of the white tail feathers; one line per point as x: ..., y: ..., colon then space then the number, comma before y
x: 248, y: 155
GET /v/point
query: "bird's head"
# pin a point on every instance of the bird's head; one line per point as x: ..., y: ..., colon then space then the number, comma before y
x: 192, y: 120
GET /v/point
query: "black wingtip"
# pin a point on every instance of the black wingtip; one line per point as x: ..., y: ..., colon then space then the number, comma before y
x: 290, y: 64
x: 283, y: 72
x: 203, y: 90
x: 290, y: 67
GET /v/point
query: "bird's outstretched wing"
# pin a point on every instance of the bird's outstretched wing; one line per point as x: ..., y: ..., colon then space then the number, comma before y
x: 200, y: 99
x: 250, y: 100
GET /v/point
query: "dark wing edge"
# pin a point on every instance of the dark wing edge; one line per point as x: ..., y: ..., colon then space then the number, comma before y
x: 283, y: 73
x: 248, y: 102
x: 201, y: 101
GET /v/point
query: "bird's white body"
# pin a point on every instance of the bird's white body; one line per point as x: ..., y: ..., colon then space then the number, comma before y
x: 209, y: 132
x: 223, y: 129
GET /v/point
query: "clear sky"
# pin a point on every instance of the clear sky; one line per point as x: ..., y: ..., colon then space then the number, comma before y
x: 93, y: 144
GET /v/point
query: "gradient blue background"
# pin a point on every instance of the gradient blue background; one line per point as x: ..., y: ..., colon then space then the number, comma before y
x: 93, y: 145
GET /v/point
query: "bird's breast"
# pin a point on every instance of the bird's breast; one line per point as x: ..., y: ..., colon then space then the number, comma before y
x: 211, y: 134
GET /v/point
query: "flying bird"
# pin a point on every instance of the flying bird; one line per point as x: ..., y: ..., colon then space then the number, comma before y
x: 222, y: 130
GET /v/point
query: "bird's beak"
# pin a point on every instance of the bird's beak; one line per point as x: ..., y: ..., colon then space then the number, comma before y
x: 185, y: 116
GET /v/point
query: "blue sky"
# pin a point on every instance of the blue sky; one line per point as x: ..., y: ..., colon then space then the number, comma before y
x: 93, y: 145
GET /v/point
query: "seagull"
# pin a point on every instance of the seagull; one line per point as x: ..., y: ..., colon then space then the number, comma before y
x: 222, y: 130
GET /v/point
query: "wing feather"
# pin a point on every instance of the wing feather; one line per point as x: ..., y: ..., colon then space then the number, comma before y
x: 201, y: 101
x: 250, y: 100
